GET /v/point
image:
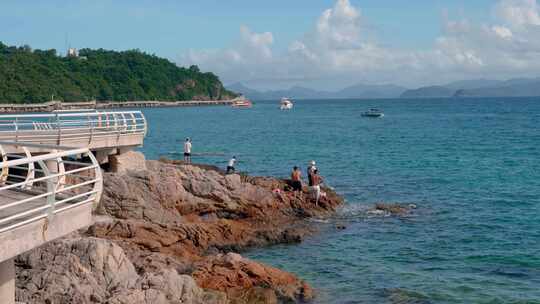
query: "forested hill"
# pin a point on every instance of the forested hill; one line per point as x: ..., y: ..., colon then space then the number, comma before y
x: 32, y: 76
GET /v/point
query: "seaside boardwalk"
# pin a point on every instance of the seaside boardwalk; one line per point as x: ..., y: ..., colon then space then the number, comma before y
x: 40, y: 203
x: 51, y: 178
x: 105, y: 133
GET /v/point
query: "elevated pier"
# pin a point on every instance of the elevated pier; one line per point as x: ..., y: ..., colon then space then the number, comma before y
x: 105, y: 133
x: 40, y: 202
x: 57, y: 105
x: 50, y: 175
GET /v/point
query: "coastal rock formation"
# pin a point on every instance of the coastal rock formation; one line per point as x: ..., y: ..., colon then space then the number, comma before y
x: 166, y: 235
x: 91, y: 270
x: 130, y: 160
x: 242, y: 278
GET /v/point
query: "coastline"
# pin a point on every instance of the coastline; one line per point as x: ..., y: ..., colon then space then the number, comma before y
x: 57, y: 105
x: 173, y: 232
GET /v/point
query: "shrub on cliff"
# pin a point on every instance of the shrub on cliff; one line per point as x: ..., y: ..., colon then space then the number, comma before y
x: 34, y: 76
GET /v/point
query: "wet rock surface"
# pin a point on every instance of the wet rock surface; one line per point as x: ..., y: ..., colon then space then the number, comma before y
x: 166, y: 235
x: 396, y: 209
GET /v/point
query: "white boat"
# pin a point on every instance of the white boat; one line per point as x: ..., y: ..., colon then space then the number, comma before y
x: 286, y: 104
x: 241, y: 102
x: 375, y: 113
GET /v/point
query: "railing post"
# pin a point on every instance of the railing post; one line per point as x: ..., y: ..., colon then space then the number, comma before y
x: 145, y: 124
x: 124, y: 122
x: 30, y: 173
x: 59, y: 129
x: 115, y: 121
x: 98, y: 185
x: 116, y: 128
x: 16, y: 128
x: 91, y: 129
x: 51, y: 189
x: 134, y: 121
x: 5, y: 170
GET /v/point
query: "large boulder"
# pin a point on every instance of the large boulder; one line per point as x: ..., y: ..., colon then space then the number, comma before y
x: 129, y: 160
x: 254, y: 282
x: 91, y: 270
x: 82, y: 270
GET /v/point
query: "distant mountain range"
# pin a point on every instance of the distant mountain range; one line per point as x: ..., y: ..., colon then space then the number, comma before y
x: 518, y: 87
x: 296, y: 92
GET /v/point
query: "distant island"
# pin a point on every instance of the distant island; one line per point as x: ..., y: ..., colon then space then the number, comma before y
x: 36, y: 76
x: 297, y: 92
x: 519, y: 87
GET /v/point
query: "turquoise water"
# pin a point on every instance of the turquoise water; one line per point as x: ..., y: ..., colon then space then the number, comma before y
x: 471, y: 166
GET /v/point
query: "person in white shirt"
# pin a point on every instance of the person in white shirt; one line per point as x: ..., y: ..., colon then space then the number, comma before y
x: 310, y: 170
x: 187, y: 151
x: 230, y: 165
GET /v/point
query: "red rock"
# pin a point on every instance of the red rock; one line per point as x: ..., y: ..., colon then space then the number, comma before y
x: 185, y: 217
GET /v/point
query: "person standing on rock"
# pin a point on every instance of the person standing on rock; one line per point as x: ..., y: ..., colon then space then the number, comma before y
x: 230, y: 165
x: 296, y: 181
x: 316, y: 179
x: 187, y: 151
x: 310, y: 169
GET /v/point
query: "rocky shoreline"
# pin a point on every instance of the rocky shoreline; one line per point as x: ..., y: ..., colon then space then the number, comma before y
x: 170, y: 234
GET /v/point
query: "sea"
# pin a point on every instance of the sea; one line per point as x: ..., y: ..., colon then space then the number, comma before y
x: 470, y: 166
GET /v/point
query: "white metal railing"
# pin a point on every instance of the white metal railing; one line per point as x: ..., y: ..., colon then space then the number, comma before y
x: 55, y: 128
x: 34, y: 187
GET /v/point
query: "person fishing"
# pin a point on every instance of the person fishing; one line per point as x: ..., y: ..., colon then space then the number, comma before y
x: 296, y: 181
x: 230, y: 165
x: 316, y: 188
x: 310, y: 169
x: 187, y: 151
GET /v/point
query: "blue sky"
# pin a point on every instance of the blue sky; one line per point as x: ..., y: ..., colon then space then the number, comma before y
x: 173, y: 28
x: 169, y: 27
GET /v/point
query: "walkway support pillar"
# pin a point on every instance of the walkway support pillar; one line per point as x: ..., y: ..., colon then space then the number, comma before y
x: 7, y: 282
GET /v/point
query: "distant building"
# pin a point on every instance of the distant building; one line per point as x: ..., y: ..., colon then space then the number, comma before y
x: 72, y: 52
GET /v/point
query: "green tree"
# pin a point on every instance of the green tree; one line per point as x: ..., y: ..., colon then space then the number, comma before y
x: 28, y: 76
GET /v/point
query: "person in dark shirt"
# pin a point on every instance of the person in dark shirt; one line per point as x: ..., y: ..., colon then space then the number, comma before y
x: 296, y: 178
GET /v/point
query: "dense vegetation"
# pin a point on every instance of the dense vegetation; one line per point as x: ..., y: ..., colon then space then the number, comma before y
x: 32, y: 76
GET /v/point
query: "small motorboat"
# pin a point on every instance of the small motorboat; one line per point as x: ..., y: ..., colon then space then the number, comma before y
x: 286, y: 104
x: 374, y: 113
x: 241, y: 103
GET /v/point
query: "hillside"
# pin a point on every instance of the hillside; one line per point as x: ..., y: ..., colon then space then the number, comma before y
x: 428, y: 92
x: 472, y: 84
x: 371, y: 91
x: 33, y: 76
x: 511, y: 88
x: 517, y: 87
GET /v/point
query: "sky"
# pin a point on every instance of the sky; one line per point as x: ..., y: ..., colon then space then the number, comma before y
x: 326, y: 44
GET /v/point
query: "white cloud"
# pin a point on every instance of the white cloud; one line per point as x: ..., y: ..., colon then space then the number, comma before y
x: 502, y: 31
x: 519, y: 13
x: 337, y: 51
x: 339, y: 27
x: 257, y: 45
